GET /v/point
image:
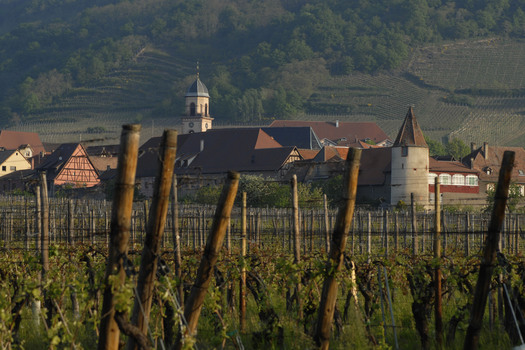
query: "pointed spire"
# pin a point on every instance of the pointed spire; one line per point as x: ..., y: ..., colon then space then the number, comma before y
x: 410, y: 133
x: 197, y: 69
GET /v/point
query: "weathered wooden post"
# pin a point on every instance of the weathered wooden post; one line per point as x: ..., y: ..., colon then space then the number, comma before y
x: 467, y: 234
x: 385, y: 231
x: 71, y: 222
x: 44, y: 243
x: 326, y: 224
x: 415, y: 249
x: 38, y: 218
x: 242, y: 282
x: 193, y: 306
x: 369, y: 239
x: 489, y: 252
x: 396, y: 233
x: 155, y: 230
x: 176, y: 239
x: 297, y: 243
x: 26, y: 221
x: 336, y: 256
x: 437, y: 255
x: 109, y: 331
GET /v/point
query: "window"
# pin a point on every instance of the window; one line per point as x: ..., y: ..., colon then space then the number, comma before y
x: 4, y: 168
x: 445, y: 179
x: 404, y: 151
x: 471, y: 180
x: 431, y: 178
x: 458, y: 179
x: 192, y: 109
x: 12, y: 168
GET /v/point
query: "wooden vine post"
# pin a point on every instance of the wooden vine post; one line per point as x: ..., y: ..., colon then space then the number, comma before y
x: 193, y: 306
x: 242, y: 282
x: 326, y: 224
x: 176, y: 239
x: 297, y: 244
x: 109, y: 331
x: 155, y: 230
x: 414, y: 224
x: 337, y: 250
x: 488, y: 259
x: 44, y: 243
x: 437, y: 255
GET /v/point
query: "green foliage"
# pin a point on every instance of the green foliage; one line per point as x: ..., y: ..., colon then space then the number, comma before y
x: 435, y: 148
x: 76, y: 43
x: 333, y: 188
x: 457, y: 149
x: 513, y: 200
x: 462, y: 100
x: 95, y: 129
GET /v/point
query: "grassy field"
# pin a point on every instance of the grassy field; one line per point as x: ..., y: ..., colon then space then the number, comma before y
x: 469, y: 90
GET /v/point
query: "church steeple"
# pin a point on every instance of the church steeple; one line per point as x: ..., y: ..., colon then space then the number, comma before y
x: 197, y: 117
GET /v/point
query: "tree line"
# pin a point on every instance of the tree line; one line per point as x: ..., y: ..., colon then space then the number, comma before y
x: 260, y: 59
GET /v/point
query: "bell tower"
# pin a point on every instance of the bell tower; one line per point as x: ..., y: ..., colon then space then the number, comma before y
x: 197, y: 114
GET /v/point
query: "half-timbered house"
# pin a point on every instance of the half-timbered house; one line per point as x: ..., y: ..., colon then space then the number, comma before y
x: 69, y: 164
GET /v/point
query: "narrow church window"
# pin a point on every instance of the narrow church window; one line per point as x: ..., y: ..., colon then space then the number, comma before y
x: 206, y: 109
x: 192, y: 109
x: 404, y: 151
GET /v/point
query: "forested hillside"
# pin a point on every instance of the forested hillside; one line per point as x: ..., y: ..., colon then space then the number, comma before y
x: 68, y: 60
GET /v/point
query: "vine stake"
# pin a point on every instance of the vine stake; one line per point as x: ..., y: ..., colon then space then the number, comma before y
x: 337, y: 249
x: 489, y: 252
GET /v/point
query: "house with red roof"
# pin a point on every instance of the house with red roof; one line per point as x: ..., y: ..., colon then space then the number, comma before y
x: 389, y: 175
x: 204, y: 158
x: 12, y: 140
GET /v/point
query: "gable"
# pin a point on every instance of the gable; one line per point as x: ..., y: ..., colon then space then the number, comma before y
x: 77, y: 170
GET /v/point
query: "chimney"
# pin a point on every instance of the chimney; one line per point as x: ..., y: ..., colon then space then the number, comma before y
x: 486, y: 150
x: 472, y: 146
x: 471, y: 163
x: 337, y: 123
x: 202, y: 145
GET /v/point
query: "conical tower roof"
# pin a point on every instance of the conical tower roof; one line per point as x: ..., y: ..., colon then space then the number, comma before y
x: 410, y: 133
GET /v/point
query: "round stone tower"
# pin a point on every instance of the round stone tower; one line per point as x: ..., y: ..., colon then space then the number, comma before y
x: 410, y: 162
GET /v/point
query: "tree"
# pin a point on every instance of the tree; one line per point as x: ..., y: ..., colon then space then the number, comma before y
x: 435, y: 148
x: 457, y: 148
x: 516, y: 194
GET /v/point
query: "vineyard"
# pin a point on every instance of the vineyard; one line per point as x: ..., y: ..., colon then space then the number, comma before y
x: 386, y: 297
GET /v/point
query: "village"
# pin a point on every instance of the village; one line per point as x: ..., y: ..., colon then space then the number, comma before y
x: 392, y: 172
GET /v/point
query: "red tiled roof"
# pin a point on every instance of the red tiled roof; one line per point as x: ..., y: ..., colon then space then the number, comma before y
x: 219, y: 150
x: 449, y: 166
x: 330, y: 153
x: 336, y: 131
x: 492, y: 160
x: 14, y: 139
x: 308, y: 153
